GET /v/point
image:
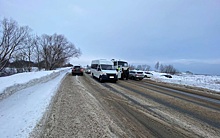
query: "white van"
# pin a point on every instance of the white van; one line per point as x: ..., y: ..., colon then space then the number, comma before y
x: 104, y: 70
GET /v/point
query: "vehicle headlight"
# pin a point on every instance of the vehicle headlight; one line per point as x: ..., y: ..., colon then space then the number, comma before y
x: 104, y: 73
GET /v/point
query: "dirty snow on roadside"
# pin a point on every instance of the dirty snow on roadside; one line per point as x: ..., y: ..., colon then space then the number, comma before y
x: 77, y: 113
x: 203, y: 81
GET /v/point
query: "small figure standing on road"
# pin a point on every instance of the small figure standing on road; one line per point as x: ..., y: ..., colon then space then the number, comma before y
x: 123, y: 74
x: 127, y: 73
x: 119, y: 68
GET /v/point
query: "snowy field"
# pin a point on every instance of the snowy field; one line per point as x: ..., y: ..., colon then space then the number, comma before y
x: 202, y: 81
x: 24, y: 97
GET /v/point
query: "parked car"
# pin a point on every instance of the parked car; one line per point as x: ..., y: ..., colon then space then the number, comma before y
x: 77, y: 70
x: 167, y: 75
x: 136, y: 74
x: 88, y: 70
x: 147, y: 74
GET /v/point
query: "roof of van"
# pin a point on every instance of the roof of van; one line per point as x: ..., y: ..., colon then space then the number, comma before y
x: 102, y: 61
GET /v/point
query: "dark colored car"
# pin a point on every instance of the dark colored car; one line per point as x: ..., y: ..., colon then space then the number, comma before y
x: 168, y: 76
x: 77, y: 70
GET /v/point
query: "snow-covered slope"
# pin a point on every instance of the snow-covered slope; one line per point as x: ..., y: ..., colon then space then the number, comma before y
x: 11, y: 84
x: 32, y: 93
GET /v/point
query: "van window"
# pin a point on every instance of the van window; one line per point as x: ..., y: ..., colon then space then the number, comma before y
x: 106, y: 67
x: 123, y: 64
x: 94, y: 66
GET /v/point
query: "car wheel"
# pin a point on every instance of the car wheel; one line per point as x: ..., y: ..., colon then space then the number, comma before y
x: 100, y: 79
x: 132, y: 77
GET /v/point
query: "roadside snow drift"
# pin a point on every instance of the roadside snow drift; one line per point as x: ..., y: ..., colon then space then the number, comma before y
x: 11, y: 84
x: 26, y: 100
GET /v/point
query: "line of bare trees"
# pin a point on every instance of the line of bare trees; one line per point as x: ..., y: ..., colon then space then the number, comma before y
x: 166, y: 68
x: 47, y: 51
x: 170, y: 69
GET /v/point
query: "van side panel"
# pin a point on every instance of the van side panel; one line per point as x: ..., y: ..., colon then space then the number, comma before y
x: 94, y: 66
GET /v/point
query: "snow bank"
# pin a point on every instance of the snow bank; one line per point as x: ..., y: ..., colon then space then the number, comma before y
x: 21, y: 111
x: 14, y: 83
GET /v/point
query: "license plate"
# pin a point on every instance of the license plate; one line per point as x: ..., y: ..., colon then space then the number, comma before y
x: 111, y: 77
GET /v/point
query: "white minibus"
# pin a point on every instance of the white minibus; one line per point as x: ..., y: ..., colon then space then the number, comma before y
x: 104, y: 70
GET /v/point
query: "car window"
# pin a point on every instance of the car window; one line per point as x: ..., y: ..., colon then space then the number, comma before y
x: 76, y: 67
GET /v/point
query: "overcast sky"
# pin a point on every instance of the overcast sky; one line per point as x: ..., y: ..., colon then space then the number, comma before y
x: 182, y: 33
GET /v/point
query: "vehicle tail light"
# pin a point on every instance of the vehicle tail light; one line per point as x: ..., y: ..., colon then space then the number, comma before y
x: 81, y: 70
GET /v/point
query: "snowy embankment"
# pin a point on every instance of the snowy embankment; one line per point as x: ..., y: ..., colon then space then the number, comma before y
x: 11, y: 84
x: 25, y: 99
x: 201, y: 81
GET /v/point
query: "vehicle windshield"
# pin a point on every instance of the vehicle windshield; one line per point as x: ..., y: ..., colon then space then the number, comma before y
x: 122, y: 63
x: 106, y: 67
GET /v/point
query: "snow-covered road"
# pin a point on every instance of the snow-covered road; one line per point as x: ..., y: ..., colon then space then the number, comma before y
x: 25, y: 97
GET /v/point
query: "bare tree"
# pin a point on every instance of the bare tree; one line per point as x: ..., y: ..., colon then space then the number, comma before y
x: 37, y: 51
x: 44, y: 43
x: 28, y: 50
x: 143, y: 67
x: 168, y: 69
x: 56, y: 49
x: 147, y: 68
x: 131, y: 67
x: 139, y: 67
x: 19, y: 63
x: 157, y: 65
x: 162, y: 68
x: 12, y: 38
